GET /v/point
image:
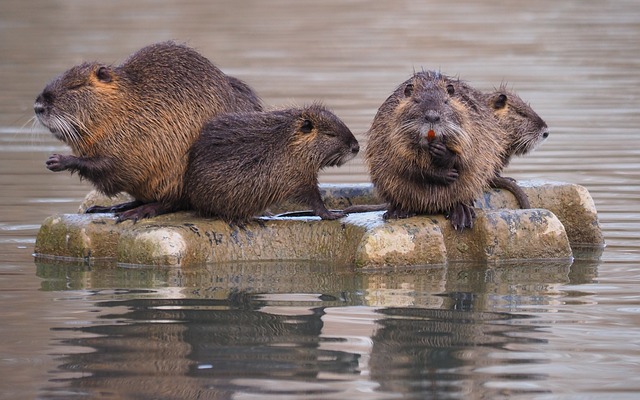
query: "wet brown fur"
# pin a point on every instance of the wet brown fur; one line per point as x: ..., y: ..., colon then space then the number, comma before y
x: 130, y: 126
x: 399, y: 163
x: 524, y: 127
x: 525, y: 130
x: 245, y: 162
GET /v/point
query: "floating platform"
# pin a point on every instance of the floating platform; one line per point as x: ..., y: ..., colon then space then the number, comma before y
x: 564, y: 218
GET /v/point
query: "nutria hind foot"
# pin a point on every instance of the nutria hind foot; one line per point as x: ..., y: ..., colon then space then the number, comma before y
x: 148, y: 210
x: 330, y: 215
x: 394, y: 213
x: 510, y: 184
x: 461, y: 216
x: 118, y: 208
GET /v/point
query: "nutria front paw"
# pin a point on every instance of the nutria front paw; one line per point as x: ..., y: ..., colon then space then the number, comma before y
x: 451, y: 176
x: 59, y: 162
x: 438, y: 150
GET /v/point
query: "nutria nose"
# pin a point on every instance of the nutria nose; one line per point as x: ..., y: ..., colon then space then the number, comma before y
x: 355, y: 148
x: 545, y: 134
x: 38, y: 108
x: 432, y: 116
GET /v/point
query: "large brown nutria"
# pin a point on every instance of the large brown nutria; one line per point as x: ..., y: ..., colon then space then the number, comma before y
x: 243, y: 163
x: 525, y: 131
x: 246, y: 97
x: 130, y: 126
x: 427, y: 110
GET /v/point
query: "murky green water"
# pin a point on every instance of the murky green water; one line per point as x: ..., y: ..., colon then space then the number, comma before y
x: 289, y: 331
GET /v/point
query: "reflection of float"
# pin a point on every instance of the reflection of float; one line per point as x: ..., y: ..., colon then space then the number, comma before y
x: 246, y: 327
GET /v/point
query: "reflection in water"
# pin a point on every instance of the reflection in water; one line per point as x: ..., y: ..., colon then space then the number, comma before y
x: 486, y: 330
x: 436, y: 353
x: 191, y: 348
x: 221, y: 334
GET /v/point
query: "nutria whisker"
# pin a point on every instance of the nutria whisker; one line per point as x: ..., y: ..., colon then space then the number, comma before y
x: 72, y: 126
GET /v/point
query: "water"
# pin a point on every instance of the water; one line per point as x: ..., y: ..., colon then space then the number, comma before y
x: 288, y: 331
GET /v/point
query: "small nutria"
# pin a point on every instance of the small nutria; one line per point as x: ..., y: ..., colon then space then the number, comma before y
x: 412, y: 170
x: 525, y: 131
x: 130, y: 126
x: 243, y: 163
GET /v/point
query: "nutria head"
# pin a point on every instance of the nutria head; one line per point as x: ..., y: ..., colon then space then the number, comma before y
x: 427, y: 107
x: 164, y: 90
x: 323, y: 136
x: 525, y: 129
x: 76, y: 102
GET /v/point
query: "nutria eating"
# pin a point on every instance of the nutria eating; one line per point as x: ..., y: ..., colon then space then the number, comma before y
x: 525, y: 131
x: 130, y: 126
x: 430, y: 127
x: 243, y: 163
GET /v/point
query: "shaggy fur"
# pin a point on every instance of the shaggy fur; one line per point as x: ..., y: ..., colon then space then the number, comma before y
x: 403, y: 168
x: 525, y: 131
x: 130, y: 126
x: 244, y: 162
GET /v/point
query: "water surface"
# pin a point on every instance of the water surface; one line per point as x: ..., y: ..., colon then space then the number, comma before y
x: 305, y: 330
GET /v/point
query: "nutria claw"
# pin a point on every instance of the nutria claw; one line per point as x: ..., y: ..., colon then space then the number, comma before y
x: 461, y: 216
x: 59, y: 162
x: 438, y: 150
x: 148, y: 210
x: 451, y: 176
x: 118, y: 208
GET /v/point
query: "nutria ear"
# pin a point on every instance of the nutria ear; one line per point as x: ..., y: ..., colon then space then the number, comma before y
x: 307, y: 126
x: 500, y: 102
x: 450, y: 89
x: 104, y: 74
x: 408, y: 90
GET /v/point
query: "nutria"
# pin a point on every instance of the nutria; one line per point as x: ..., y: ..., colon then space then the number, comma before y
x: 246, y: 97
x: 244, y: 162
x: 426, y: 110
x: 525, y: 131
x: 130, y: 126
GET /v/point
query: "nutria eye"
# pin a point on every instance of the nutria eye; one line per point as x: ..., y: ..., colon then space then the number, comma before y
x: 103, y: 74
x: 307, y: 126
x: 450, y: 89
x: 500, y: 102
x: 408, y: 90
